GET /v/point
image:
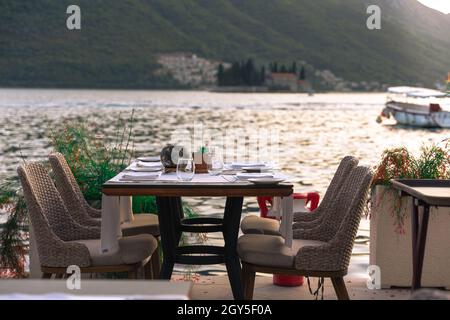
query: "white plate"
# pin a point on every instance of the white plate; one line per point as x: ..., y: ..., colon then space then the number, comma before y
x: 266, y: 180
x: 257, y: 168
x: 150, y: 159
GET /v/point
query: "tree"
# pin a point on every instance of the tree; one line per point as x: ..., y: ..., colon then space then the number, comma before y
x: 275, y: 67
x: 262, y: 76
x: 221, y: 75
x: 235, y: 74
x: 249, y: 73
x: 283, y: 69
x: 294, y: 67
x: 244, y: 73
x: 302, y: 75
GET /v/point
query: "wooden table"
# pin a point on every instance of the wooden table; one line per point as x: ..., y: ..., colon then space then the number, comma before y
x: 425, y: 193
x: 172, y: 222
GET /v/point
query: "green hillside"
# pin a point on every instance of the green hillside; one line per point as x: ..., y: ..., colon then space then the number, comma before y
x: 119, y: 39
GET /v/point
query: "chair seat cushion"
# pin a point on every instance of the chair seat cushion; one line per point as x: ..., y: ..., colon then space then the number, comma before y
x: 257, y: 225
x: 142, y: 224
x: 270, y: 251
x: 132, y: 249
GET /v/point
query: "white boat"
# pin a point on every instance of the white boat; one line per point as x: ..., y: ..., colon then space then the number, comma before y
x: 418, y: 107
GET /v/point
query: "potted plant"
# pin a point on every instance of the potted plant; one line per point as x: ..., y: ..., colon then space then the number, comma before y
x: 390, y: 224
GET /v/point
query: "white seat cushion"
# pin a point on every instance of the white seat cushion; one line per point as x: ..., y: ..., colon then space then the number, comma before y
x: 132, y: 249
x: 270, y: 251
x: 257, y: 225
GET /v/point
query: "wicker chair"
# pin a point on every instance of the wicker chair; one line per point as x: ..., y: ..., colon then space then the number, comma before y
x: 324, y: 252
x: 257, y: 225
x: 62, y: 242
x: 84, y: 214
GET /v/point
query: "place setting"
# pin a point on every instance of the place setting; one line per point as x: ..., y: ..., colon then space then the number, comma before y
x: 143, y: 169
x: 261, y: 173
x: 203, y: 166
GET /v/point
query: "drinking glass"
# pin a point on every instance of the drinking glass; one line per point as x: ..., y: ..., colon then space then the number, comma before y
x: 185, y: 169
x: 215, y: 163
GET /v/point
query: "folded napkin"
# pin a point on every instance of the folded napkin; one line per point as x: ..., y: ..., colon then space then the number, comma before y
x: 237, y: 165
x: 139, y: 176
x: 244, y: 175
x: 143, y: 169
x: 148, y: 164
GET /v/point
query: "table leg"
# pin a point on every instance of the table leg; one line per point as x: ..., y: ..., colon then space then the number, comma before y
x: 422, y: 239
x: 414, y: 237
x: 169, y: 225
x: 231, y: 222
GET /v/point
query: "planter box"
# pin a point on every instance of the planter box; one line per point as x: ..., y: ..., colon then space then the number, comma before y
x: 392, y: 251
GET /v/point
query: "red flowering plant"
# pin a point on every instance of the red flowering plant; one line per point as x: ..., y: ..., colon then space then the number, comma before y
x: 395, y: 163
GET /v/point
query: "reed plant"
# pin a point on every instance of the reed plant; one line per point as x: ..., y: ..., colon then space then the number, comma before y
x: 95, y: 158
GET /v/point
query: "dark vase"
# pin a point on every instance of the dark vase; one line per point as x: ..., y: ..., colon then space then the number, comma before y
x: 166, y: 155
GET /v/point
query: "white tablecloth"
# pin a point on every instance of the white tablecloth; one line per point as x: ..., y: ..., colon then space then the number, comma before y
x: 115, y: 211
x: 283, y: 208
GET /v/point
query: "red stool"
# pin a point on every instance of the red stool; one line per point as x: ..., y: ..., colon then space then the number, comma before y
x: 312, y: 199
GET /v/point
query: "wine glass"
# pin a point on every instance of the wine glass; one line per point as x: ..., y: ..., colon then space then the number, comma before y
x: 185, y: 169
x: 215, y: 163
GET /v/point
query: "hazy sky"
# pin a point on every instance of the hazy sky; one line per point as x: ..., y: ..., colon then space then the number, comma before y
x: 441, y: 5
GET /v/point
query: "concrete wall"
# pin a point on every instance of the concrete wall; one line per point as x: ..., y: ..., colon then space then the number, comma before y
x: 392, y: 251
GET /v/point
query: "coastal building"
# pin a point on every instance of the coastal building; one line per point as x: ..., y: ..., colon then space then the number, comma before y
x: 189, y: 69
x: 282, y: 81
x: 286, y: 82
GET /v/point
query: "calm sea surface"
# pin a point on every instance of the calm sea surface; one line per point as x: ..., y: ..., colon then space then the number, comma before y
x: 315, y: 132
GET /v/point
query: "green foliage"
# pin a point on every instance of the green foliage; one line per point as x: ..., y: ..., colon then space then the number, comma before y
x: 433, y: 163
x: 118, y: 43
x: 13, y: 231
x: 93, y: 159
x: 241, y: 74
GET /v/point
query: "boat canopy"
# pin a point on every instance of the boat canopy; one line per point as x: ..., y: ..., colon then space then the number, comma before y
x: 416, y: 92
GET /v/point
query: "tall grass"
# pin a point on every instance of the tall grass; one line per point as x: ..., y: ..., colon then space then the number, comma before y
x: 94, y: 158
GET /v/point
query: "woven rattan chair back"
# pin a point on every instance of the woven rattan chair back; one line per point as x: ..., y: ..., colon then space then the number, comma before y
x: 51, y: 223
x: 340, y: 230
x: 70, y: 191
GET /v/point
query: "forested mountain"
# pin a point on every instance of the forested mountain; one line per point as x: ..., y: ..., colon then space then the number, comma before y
x: 119, y: 39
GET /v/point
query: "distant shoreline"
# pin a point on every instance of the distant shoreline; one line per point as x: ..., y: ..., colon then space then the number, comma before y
x: 211, y: 90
